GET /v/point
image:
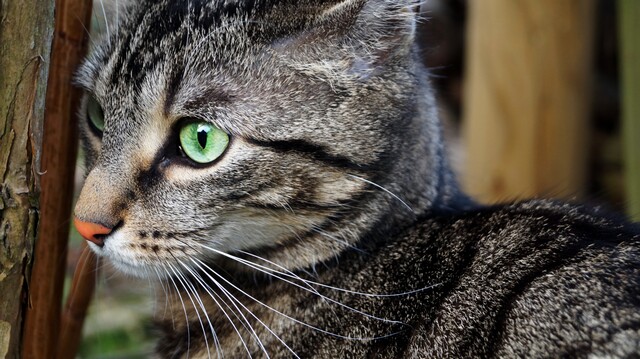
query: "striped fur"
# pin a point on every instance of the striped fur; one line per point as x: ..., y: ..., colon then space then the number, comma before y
x: 332, y: 225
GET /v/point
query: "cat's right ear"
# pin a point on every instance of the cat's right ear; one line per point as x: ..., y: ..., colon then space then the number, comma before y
x: 352, y: 39
x: 376, y: 29
x: 390, y: 22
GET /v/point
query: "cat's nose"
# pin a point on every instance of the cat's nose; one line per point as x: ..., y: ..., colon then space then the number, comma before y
x: 92, y: 232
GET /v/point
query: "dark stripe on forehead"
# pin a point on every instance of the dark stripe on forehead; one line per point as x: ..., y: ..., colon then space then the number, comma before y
x: 315, y: 151
x: 124, y: 46
x: 154, y: 22
x: 143, y: 52
x: 151, y: 22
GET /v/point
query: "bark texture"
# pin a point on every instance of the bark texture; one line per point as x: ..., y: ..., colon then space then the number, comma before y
x: 26, y: 28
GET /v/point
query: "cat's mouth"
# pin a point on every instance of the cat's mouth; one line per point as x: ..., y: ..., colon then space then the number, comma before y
x: 129, y: 257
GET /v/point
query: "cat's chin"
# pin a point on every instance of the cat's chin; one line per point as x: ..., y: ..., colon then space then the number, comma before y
x: 138, y: 271
x: 144, y: 271
x: 135, y: 269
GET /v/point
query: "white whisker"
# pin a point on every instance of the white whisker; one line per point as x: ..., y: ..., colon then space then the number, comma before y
x: 207, y: 288
x: 309, y: 288
x: 186, y: 316
x: 93, y: 43
x: 290, y: 274
x: 222, y: 288
x: 291, y: 318
x: 382, y: 188
x: 106, y: 22
x: 185, y: 285
x: 166, y: 298
x: 231, y: 299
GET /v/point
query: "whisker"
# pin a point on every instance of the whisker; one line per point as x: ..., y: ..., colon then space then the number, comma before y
x: 186, y: 316
x: 290, y: 274
x: 312, y: 290
x: 185, y: 287
x: 93, y: 43
x: 382, y: 188
x: 232, y: 302
x: 215, y: 336
x: 166, y: 298
x: 207, y: 288
x: 106, y: 22
x: 294, y: 319
x: 222, y: 288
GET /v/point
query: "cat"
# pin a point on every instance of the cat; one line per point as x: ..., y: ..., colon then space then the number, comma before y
x: 278, y: 167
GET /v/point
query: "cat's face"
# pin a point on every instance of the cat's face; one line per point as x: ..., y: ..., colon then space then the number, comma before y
x: 212, y: 127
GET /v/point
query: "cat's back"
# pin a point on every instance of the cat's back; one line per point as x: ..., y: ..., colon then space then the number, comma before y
x: 534, y: 279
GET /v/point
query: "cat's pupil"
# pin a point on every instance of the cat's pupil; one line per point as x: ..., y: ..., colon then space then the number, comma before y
x: 202, y: 138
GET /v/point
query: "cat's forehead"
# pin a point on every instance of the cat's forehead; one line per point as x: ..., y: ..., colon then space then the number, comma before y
x: 203, y: 55
x: 267, y: 70
x: 159, y: 35
x: 192, y: 33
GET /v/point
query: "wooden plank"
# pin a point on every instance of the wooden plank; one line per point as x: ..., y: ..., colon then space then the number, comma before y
x: 25, y: 41
x: 629, y: 20
x: 42, y: 323
x: 527, y: 102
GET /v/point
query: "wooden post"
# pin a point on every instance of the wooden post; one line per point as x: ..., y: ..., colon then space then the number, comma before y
x: 76, y: 307
x: 629, y: 20
x: 42, y: 323
x: 528, y: 95
x: 25, y: 41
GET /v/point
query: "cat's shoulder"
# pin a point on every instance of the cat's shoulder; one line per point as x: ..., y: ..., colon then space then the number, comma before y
x: 543, y: 234
x: 539, y: 276
x: 533, y: 220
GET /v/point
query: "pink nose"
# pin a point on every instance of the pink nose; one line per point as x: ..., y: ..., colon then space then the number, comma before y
x: 92, y: 232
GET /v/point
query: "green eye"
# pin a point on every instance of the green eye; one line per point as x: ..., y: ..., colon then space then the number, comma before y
x: 95, y: 114
x: 202, y: 142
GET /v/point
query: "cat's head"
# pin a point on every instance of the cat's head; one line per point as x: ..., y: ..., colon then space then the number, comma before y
x: 214, y: 127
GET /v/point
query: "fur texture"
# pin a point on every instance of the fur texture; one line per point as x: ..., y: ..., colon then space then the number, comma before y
x: 331, y: 226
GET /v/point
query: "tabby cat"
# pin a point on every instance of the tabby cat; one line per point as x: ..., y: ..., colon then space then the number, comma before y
x: 278, y: 167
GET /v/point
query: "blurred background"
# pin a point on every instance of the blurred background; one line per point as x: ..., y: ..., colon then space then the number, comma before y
x: 530, y: 95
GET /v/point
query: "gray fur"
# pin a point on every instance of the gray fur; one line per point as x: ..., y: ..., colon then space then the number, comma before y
x: 336, y: 176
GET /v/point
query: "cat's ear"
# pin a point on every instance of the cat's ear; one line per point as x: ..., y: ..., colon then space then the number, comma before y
x: 352, y: 39
x: 388, y: 21
x: 372, y: 32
